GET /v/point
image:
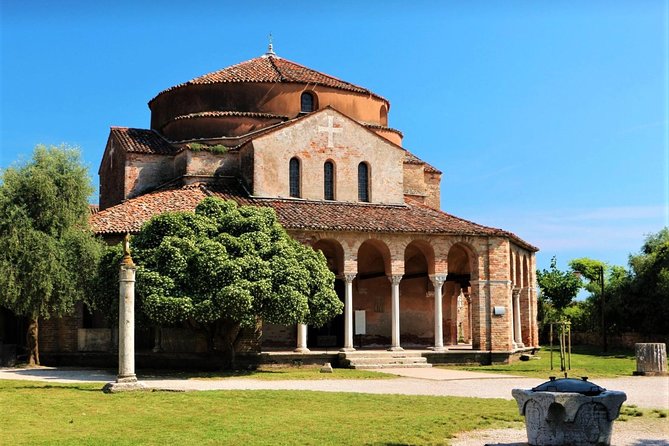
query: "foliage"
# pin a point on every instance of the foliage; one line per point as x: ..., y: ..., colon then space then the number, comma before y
x: 216, y: 148
x: 638, y: 299
x: 82, y: 415
x: 558, y: 287
x: 222, y: 267
x: 47, y: 252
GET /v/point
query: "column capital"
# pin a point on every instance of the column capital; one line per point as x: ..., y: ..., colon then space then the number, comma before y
x: 395, y: 278
x: 438, y: 278
x: 348, y: 277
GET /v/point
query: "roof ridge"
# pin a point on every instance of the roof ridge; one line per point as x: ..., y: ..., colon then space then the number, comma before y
x: 276, y: 68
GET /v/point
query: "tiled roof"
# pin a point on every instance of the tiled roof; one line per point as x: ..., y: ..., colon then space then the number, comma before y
x: 382, y: 127
x: 413, y: 217
x: 410, y: 158
x: 271, y: 69
x: 142, y: 141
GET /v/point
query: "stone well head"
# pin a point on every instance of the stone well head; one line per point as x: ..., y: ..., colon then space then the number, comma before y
x: 569, y: 411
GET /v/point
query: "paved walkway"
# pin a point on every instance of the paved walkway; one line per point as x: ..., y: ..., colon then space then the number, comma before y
x: 646, y: 392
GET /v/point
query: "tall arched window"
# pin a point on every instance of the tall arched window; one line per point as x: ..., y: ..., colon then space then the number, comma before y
x: 363, y: 182
x: 307, y: 103
x: 328, y: 180
x: 294, y: 177
x: 384, y: 115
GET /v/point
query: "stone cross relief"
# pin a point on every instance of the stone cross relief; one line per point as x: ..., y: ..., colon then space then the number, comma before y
x: 331, y: 130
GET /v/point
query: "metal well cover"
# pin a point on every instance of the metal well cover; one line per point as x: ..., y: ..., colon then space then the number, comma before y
x: 582, y: 386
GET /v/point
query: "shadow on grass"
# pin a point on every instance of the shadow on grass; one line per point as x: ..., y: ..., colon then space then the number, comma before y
x: 64, y: 386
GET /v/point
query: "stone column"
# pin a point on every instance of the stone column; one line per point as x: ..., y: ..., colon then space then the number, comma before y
x: 438, y: 282
x: 126, y: 379
x: 348, y: 313
x: 301, y: 339
x: 395, y: 281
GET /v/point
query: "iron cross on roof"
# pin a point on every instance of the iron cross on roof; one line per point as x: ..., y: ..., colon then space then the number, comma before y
x: 331, y: 130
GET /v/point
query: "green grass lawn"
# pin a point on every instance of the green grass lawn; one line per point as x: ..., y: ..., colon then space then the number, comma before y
x: 39, y: 413
x: 585, y: 361
x: 269, y: 373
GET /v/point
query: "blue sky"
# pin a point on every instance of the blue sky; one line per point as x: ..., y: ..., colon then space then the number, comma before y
x: 548, y: 119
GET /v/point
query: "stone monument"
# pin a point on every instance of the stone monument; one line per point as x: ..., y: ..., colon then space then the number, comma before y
x: 126, y: 379
x: 651, y: 359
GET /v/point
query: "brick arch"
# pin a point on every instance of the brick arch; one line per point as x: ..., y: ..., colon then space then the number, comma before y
x: 334, y: 253
x: 415, y: 248
x: 374, y: 257
x: 470, y: 266
x: 526, y: 271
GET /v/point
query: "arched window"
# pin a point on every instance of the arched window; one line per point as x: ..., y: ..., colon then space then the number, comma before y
x: 294, y: 177
x: 307, y: 103
x: 328, y: 180
x: 363, y: 182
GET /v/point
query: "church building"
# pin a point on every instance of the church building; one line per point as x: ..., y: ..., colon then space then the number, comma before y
x: 319, y: 151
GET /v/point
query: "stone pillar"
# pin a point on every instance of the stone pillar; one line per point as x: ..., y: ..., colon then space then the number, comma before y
x: 438, y: 282
x: 301, y: 339
x: 126, y: 379
x: 651, y: 359
x: 348, y: 313
x: 395, y: 280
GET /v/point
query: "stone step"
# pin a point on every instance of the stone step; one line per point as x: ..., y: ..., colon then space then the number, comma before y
x: 381, y: 354
x: 389, y: 366
x: 387, y: 360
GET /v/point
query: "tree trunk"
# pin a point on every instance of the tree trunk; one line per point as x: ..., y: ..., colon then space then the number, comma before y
x: 32, y: 343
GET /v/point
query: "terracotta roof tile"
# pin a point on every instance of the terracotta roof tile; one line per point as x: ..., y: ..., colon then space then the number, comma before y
x: 220, y: 114
x: 142, y: 141
x: 271, y: 69
x: 413, y: 217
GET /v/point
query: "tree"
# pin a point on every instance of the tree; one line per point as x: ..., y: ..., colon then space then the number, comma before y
x: 221, y: 268
x: 48, y: 255
x: 558, y: 287
x: 640, y: 298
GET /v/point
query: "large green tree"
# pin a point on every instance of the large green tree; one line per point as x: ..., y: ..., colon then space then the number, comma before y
x: 221, y: 268
x: 48, y: 255
x: 639, y: 299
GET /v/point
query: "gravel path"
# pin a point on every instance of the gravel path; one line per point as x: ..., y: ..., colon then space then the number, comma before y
x: 644, y: 392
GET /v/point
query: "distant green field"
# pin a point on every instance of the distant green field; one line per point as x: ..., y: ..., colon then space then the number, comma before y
x: 585, y: 361
x: 40, y: 414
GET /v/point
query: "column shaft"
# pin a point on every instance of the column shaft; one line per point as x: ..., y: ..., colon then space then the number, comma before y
x: 301, y: 339
x: 438, y: 283
x: 348, y: 313
x: 395, y: 296
x: 126, y: 324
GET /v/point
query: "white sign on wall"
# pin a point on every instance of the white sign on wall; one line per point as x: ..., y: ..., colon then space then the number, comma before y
x: 360, y: 323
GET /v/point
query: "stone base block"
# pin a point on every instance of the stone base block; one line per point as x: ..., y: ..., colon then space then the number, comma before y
x: 395, y: 349
x: 127, y: 386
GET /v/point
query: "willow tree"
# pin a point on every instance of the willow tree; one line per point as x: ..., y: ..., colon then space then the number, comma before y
x: 48, y: 255
x: 222, y: 267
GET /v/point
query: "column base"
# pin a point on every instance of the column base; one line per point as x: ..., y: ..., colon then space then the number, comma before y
x: 396, y: 349
x: 127, y: 386
x: 347, y: 349
x: 301, y: 350
x: 438, y: 349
